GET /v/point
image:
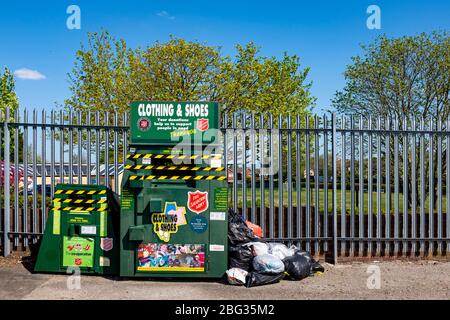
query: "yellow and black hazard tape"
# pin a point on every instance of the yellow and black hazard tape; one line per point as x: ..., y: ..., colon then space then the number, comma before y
x: 80, y: 201
x: 171, y: 156
x: 150, y: 177
x: 79, y: 209
x: 181, y: 168
x: 89, y: 192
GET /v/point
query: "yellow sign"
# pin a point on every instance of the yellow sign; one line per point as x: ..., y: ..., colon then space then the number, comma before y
x: 167, y: 222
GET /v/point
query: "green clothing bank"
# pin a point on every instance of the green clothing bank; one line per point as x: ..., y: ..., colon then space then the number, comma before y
x: 171, y: 218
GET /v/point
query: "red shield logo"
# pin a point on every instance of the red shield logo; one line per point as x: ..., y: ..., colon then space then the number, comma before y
x: 202, y: 124
x: 106, y: 244
x: 198, y: 201
x: 143, y: 124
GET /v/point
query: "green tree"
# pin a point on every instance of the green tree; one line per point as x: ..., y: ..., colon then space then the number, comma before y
x: 8, y: 98
x: 98, y: 80
x: 262, y: 84
x: 8, y: 95
x: 179, y: 70
x: 108, y: 75
x: 405, y: 78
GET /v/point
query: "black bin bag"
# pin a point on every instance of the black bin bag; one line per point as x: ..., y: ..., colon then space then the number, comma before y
x: 315, y: 265
x: 238, y: 232
x: 297, y: 267
x: 255, y: 279
x: 240, y: 256
x: 301, y: 265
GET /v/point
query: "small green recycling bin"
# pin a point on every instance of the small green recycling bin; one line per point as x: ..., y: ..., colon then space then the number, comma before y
x: 81, y: 231
x: 174, y: 193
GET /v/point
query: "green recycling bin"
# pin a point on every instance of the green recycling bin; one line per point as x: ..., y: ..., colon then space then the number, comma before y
x: 173, y: 220
x: 81, y: 231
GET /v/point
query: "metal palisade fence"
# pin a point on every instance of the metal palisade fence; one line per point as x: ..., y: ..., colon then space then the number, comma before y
x: 336, y: 186
x: 42, y: 149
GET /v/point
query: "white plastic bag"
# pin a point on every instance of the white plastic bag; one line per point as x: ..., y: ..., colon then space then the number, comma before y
x: 280, y: 250
x: 268, y: 263
x: 236, y: 276
x: 258, y: 248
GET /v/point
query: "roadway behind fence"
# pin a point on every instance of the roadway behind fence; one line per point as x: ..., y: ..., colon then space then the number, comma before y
x: 331, y: 185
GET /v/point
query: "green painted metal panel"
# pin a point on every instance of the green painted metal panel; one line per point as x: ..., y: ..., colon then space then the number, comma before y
x: 169, y: 122
x: 82, y: 233
x: 173, y: 220
x: 152, y: 241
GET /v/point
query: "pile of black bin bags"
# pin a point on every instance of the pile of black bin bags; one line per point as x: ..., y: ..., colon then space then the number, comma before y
x: 254, y: 262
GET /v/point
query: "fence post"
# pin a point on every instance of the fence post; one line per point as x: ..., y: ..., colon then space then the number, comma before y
x: 333, y: 154
x: 6, y: 175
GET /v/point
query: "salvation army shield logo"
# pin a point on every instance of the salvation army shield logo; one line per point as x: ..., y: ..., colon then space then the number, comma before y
x: 106, y: 244
x: 198, y: 201
x: 202, y: 124
x: 143, y: 124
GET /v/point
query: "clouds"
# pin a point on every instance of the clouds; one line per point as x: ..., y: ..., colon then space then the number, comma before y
x: 28, y: 74
x: 166, y: 15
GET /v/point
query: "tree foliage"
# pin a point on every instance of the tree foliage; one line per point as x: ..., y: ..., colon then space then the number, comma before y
x: 402, y: 76
x: 8, y: 95
x: 108, y: 75
x: 8, y: 98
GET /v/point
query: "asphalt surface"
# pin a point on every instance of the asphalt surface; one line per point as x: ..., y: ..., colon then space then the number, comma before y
x: 398, y: 280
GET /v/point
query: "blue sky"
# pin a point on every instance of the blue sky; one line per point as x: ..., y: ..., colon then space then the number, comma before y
x: 324, y: 34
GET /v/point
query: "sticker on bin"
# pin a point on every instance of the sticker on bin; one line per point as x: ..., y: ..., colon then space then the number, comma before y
x: 216, y: 163
x: 198, y: 201
x: 106, y: 244
x: 167, y: 222
x: 88, y: 230
x: 104, y: 262
x: 146, y: 161
x: 213, y: 215
x: 216, y: 247
x: 171, y: 257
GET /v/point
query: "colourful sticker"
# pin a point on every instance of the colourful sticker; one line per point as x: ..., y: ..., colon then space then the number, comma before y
x: 202, y: 124
x: 171, y: 257
x: 106, y: 244
x: 198, y: 224
x: 198, y: 201
x: 78, y: 252
x: 167, y: 222
x: 143, y: 124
